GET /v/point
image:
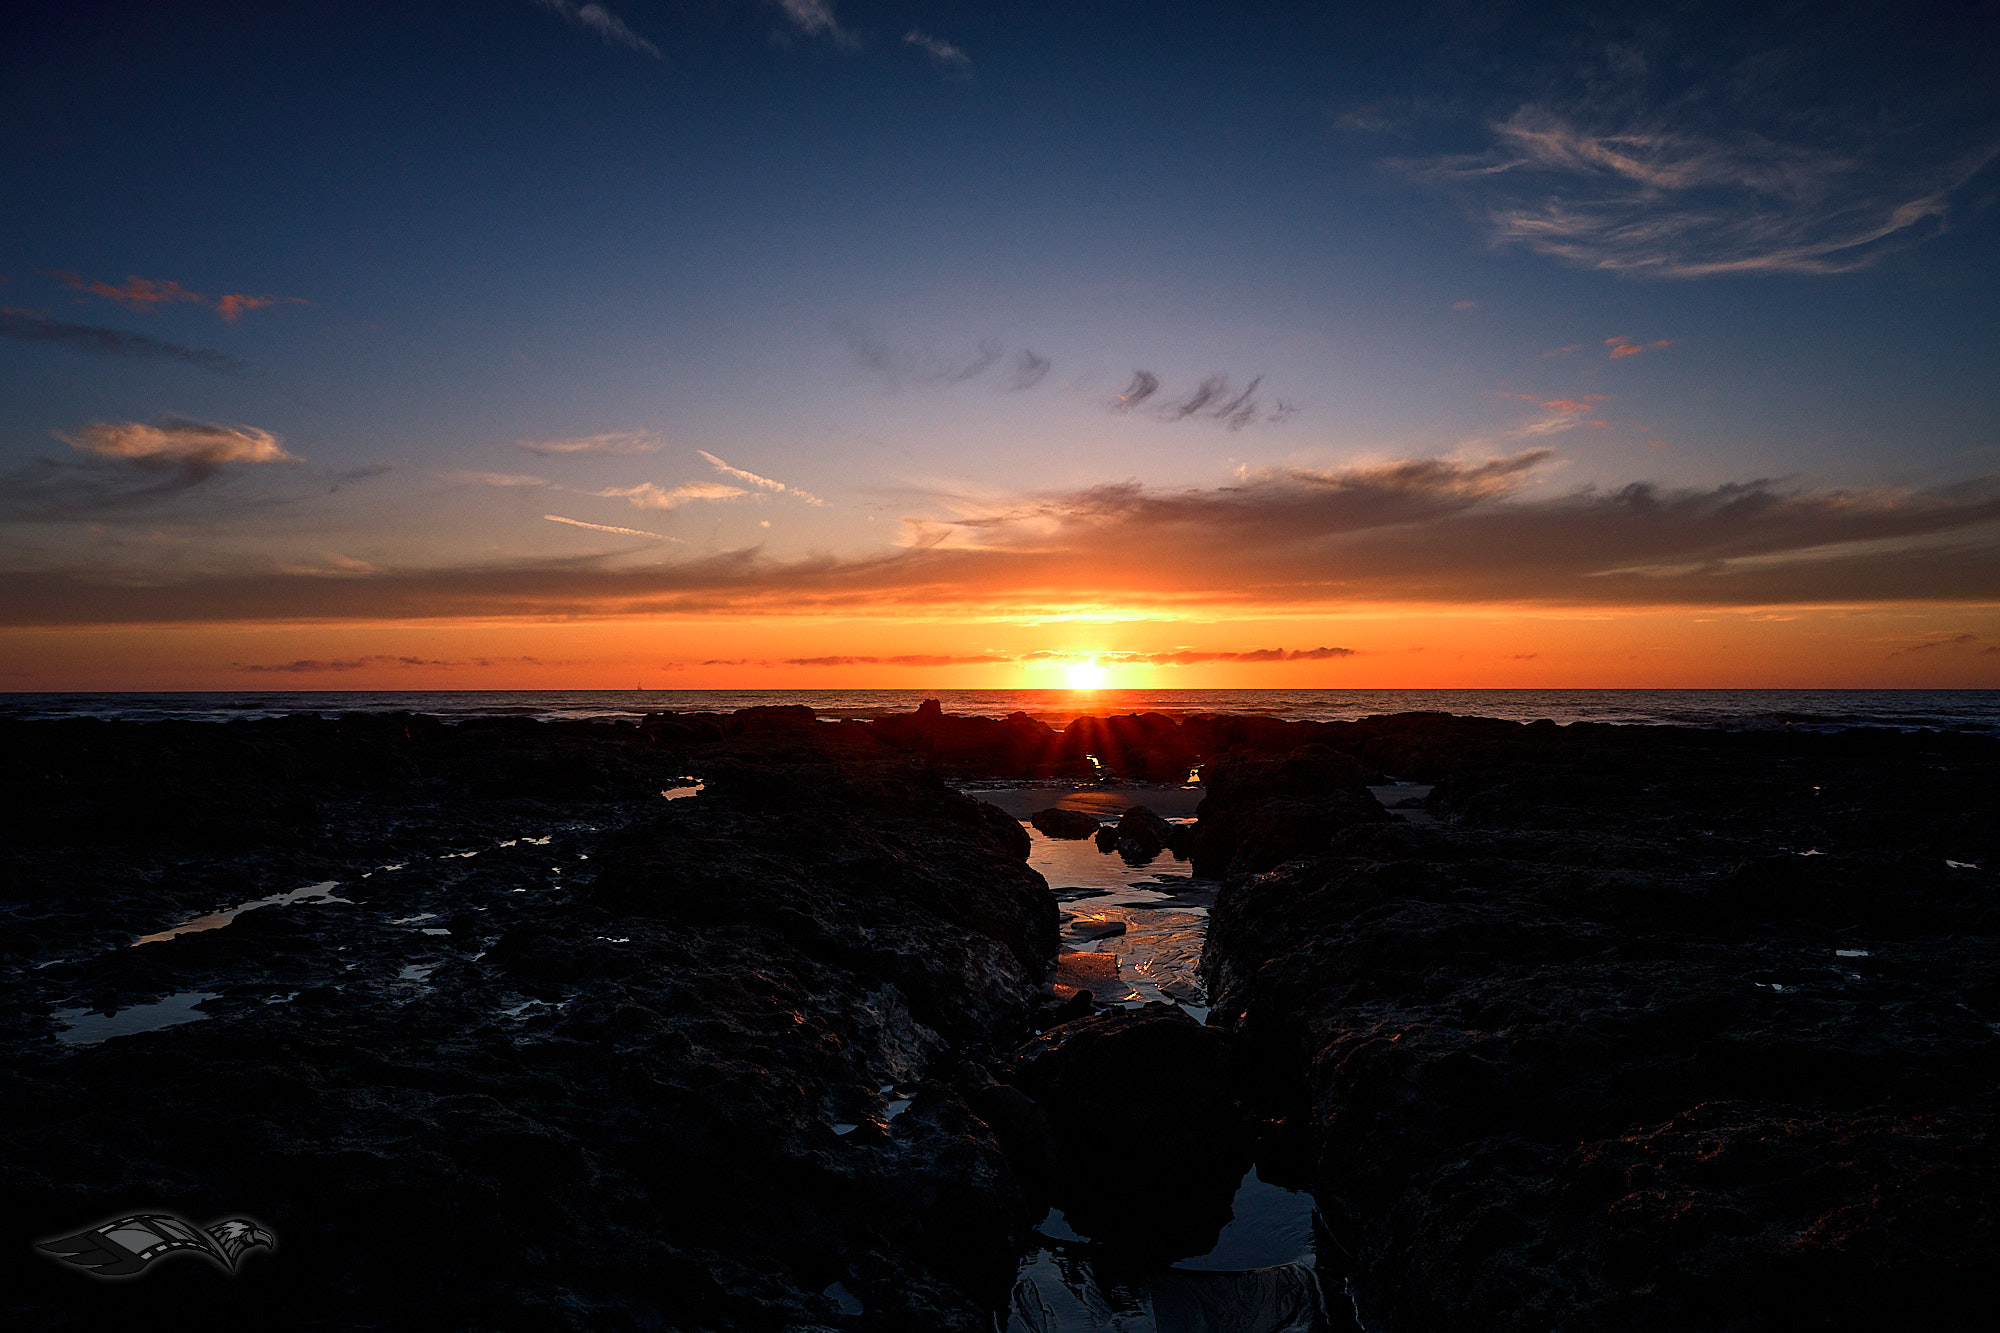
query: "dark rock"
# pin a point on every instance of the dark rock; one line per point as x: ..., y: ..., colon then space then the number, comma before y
x: 1599, y: 1055
x: 1261, y: 811
x: 1158, y: 1084
x: 603, y: 1099
x: 1023, y: 1129
x: 1059, y: 823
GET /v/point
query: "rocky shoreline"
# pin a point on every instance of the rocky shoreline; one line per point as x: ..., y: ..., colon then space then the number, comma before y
x: 1606, y: 1048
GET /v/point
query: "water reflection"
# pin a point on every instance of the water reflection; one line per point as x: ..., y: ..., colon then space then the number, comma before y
x: 1130, y: 934
x: 1261, y: 1276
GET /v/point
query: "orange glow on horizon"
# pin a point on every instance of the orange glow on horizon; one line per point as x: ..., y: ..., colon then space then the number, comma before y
x: 1918, y: 647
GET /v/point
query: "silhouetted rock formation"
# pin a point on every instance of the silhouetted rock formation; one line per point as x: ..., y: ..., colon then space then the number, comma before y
x: 1072, y: 824
x: 1261, y: 811
x: 1156, y: 1087
x: 1622, y: 1049
x: 604, y: 1062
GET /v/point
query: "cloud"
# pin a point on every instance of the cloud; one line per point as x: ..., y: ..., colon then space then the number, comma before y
x: 310, y: 665
x: 1623, y: 346
x: 899, y: 368
x: 1210, y: 400
x: 1559, y: 414
x: 1956, y: 643
x: 763, y: 483
x: 606, y: 527
x: 1641, y: 196
x: 607, y: 25
x: 232, y: 305
x: 495, y: 479
x: 136, y: 293
x: 1195, y: 657
x: 815, y: 18
x: 1465, y: 305
x: 192, y: 447
x: 943, y: 54
x: 1401, y: 532
x: 646, y: 495
x: 1143, y: 386
x: 907, y: 659
x: 32, y: 326
x: 1562, y: 351
x: 617, y: 442
x: 1029, y: 370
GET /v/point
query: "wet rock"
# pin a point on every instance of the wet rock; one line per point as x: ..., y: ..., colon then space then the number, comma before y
x: 1143, y: 835
x: 1159, y: 1085
x: 1059, y: 823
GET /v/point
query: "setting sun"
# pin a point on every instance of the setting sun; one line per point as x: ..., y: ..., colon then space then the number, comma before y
x: 1086, y: 676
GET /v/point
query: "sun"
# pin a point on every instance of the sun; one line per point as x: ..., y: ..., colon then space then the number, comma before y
x: 1086, y: 676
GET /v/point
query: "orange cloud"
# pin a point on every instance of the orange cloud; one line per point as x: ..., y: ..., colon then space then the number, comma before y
x: 233, y: 305
x: 1424, y: 531
x: 137, y: 293
x: 186, y: 444
x: 616, y: 442
x: 1623, y: 346
x: 646, y: 495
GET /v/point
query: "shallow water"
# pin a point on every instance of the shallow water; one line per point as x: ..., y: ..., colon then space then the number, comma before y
x: 1261, y: 1276
x: 317, y: 893
x: 83, y: 1028
x: 1133, y: 934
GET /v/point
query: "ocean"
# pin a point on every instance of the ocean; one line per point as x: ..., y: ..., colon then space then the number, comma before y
x: 1819, y: 710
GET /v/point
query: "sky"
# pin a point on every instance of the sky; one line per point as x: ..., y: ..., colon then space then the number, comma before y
x: 797, y: 343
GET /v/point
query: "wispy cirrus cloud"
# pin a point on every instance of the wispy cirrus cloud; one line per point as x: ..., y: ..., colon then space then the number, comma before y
x: 647, y: 495
x: 815, y: 18
x: 501, y: 479
x: 899, y: 368
x: 137, y: 293
x: 606, y: 527
x: 1559, y: 414
x: 622, y: 442
x: 948, y: 58
x: 1622, y: 346
x: 36, y: 327
x: 1646, y: 197
x: 1212, y: 399
x: 752, y: 479
x: 602, y: 21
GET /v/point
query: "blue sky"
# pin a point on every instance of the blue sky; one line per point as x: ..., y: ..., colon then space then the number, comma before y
x: 315, y: 312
